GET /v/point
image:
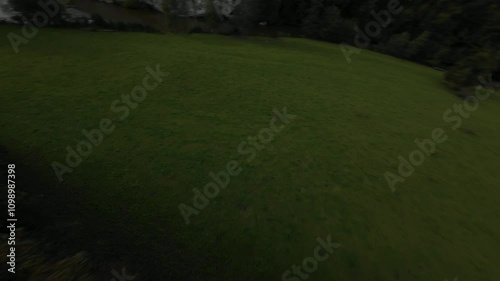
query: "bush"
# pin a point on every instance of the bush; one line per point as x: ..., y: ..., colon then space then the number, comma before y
x: 98, y: 20
x: 397, y: 44
x: 466, y: 71
x: 195, y: 29
x: 417, y: 45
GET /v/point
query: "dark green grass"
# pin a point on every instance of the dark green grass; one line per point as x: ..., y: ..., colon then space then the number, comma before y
x: 323, y: 174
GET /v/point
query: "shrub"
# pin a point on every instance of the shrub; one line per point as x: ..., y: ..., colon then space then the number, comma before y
x: 417, y: 45
x: 466, y: 71
x: 397, y: 44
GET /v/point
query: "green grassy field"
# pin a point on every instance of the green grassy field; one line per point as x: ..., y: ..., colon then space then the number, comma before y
x: 323, y: 174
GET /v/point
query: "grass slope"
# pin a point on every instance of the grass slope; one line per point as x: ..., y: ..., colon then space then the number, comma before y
x: 323, y: 174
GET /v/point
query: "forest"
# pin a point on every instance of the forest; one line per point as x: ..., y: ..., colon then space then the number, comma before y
x: 461, y: 37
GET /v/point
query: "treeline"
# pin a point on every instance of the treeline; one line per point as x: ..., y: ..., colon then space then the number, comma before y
x: 461, y: 36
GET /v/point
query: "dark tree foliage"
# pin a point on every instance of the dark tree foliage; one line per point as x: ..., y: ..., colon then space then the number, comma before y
x: 462, y: 36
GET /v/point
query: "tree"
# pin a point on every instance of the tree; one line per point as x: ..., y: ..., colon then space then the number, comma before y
x: 483, y: 62
x: 417, y: 45
x: 312, y: 23
x: 397, y: 44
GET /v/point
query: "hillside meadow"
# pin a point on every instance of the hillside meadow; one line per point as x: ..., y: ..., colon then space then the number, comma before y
x: 322, y: 175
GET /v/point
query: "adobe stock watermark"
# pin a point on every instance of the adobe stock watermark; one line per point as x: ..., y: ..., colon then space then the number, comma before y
x: 93, y: 138
x: 372, y: 29
x: 233, y: 168
x: 426, y: 147
x: 121, y: 277
x: 49, y: 9
x: 311, y: 264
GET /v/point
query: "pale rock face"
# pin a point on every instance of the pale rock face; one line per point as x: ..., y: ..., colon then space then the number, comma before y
x: 193, y: 8
x: 6, y: 12
x: 226, y: 7
x: 189, y: 8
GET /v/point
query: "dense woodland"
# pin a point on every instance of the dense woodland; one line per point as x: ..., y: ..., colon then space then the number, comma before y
x: 462, y: 37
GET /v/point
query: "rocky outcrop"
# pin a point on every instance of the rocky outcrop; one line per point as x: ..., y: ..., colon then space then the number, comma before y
x: 6, y: 12
x: 196, y: 8
x: 226, y: 7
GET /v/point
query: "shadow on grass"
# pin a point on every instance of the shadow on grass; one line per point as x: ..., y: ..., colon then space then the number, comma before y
x: 56, y: 232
